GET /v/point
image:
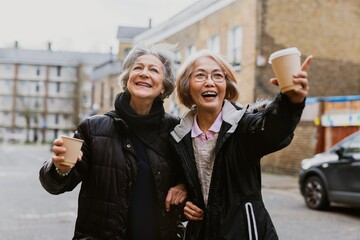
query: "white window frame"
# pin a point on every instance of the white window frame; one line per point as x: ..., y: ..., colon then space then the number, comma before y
x: 235, y: 46
x: 213, y: 43
x: 190, y: 49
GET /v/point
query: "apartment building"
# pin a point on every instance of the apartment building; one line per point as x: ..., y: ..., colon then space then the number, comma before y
x: 44, y: 93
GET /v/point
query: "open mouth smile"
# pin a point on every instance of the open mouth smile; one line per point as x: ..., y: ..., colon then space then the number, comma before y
x: 143, y: 84
x: 209, y: 94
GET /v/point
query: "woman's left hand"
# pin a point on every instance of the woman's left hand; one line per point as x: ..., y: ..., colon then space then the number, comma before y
x: 193, y: 212
x: 299, y: 95
x: 175, y: 196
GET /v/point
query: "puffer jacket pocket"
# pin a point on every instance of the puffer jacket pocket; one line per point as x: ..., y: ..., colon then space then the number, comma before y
x: 232, y: 222
x: 101, y: 219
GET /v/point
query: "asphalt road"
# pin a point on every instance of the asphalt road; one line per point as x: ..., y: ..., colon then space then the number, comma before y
x: 28, y: 212
x: 294, y: 221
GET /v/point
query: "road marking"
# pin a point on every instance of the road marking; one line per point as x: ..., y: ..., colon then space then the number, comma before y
x: 47, y: 215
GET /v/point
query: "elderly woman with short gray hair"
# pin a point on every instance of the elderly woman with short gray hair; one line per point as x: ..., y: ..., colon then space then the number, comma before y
x: 129, y: 178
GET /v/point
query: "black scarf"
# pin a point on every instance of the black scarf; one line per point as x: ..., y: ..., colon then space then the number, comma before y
x: 143, y: 126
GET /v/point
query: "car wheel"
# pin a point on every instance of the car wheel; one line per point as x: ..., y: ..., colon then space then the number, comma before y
x: 315, y: 193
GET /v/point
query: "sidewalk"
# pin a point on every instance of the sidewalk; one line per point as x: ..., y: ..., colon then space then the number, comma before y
x: 273, y: 180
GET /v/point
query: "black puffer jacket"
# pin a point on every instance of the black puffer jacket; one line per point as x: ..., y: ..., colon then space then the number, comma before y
x: 107, y: 172
x: 235, y: 208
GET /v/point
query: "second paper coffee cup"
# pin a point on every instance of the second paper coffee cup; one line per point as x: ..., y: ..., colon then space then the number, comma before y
x: 285, y: 63
x: 73, y: 147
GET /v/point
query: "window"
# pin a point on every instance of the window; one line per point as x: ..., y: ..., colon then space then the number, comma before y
x: 177, y: 57
x: 235, y: 44
x: 352, y: 147
x: 177, y: 60
x: 190, y: 49
x: 56, y: 118
x: 111, y: 96
x: 37, y: 87
x: 126, y: 51
x: 58, y: 84
x: 58, y: 71
x: 102, y: 95
x: 214, y: 43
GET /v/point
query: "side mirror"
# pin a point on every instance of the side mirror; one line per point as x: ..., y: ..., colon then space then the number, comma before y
x: 340, y: 151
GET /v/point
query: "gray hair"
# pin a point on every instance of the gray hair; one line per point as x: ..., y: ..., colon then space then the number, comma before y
x: 164, y: 52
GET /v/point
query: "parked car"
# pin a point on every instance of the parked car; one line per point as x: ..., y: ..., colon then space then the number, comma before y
x: 332, y: 176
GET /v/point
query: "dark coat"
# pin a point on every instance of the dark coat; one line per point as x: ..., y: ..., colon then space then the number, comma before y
x: 107, y: 171
x: 235, y: 207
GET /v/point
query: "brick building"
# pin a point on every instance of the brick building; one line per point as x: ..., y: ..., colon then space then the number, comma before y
x: 325, y: 29
x: 246, y: 32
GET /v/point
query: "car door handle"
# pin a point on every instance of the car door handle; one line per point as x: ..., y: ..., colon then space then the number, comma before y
x: 357, y: 163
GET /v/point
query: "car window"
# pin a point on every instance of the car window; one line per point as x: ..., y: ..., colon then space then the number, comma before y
x: 352, y: 146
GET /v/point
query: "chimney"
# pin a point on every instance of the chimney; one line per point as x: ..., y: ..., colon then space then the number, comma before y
x: 49, y: 46
x: 149, y: 22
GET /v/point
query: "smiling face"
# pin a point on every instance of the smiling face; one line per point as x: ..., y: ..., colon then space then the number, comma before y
x: 146, y: 78
x: 207, y: 95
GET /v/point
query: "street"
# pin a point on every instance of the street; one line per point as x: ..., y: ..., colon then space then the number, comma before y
x: 294, y: 221
x: 29, y: 212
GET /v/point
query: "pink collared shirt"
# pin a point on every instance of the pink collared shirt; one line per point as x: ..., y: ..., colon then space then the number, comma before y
x: 209, y: 135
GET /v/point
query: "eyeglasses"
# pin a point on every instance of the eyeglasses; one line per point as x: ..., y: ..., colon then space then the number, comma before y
x: 217, y: 77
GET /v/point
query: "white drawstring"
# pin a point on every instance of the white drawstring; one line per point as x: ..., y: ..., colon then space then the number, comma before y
x: 249, y: 207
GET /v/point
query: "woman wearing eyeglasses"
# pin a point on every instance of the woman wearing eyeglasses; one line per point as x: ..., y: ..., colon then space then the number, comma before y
x: 220, y: 145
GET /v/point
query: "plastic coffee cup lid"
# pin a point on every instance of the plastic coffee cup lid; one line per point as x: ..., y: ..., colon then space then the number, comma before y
x: 284, y: 52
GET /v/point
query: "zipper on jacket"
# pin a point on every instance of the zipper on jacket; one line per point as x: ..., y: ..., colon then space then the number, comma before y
x: 252, y: 229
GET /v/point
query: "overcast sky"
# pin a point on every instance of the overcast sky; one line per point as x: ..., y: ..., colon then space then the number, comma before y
x: 78, y: 25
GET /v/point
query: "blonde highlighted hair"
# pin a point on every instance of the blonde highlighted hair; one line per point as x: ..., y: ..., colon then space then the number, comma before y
x: 186, y: 69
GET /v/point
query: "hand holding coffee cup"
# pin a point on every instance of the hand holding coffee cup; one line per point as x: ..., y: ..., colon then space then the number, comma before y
x: 291, y: 76
x: 285, y: 64
x: 67, y: 151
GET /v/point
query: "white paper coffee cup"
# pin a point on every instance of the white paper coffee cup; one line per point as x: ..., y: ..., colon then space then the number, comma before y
x: 285, y: 63
x: 73, y: 147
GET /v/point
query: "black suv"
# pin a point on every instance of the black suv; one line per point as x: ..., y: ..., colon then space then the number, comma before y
x: 333, y: 176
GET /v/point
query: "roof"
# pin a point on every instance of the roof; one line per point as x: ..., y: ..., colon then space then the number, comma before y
x: 183, y: 19
x: 110, y: 68
x: 126, y: 33
x: 46, y: 57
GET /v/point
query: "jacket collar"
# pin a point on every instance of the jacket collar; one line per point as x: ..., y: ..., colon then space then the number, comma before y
x: 232, y: 114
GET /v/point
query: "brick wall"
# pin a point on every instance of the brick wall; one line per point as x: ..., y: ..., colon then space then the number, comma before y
x: 288, y: 159
x: 325, y: 29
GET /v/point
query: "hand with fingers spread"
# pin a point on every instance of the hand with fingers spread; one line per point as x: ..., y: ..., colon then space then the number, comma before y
x: 192, y: 212
x: 301, y: 78
x: 175, y: 196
